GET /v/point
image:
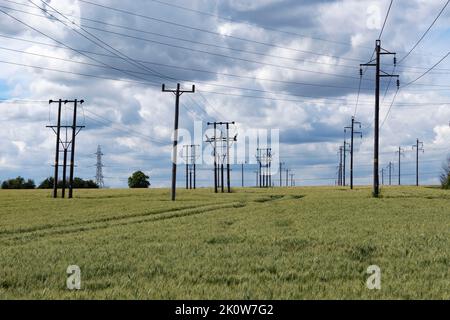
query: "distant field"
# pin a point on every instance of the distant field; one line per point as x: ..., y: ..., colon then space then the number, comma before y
x: 297, y: 243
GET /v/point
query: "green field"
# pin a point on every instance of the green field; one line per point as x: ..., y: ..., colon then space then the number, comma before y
x: 297, y: 243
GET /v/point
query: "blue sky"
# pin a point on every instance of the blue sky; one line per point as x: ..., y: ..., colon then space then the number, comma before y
x: 271, y: 64
x: 4, y: 90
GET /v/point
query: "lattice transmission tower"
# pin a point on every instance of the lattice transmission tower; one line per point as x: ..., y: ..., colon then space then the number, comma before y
x: 99, y: 173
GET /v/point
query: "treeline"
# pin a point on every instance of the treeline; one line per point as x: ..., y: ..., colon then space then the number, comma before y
x: 21, y: 183
x: 445, y: 176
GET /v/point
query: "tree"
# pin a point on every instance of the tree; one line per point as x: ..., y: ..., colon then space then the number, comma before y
x: 47, y: 183
x: 138, y: 180
x: 78, y: 183
x: 18, y: 183
x: 445, y: 176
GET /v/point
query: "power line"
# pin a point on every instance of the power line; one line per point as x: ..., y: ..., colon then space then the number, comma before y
x: 144, y: 31
x: 57, y: 41
x: 427, y: 71
x: 154, y: 84
x: 134, y: 72
x: 251, y: 24
x: 226, y: 56
x: 133, y: 62
x: 115, y: 52
x: 425, y: 33
x: 186, y: 68
x: 404, y: 57
x: 385, y: 19
x: 143, y: 73
x: 203, y: 30
x: 181, y: 39
x: 389, y: 109
x: 410, y: 83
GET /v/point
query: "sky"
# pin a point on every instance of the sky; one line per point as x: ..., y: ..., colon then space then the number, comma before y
x: 273, y: 65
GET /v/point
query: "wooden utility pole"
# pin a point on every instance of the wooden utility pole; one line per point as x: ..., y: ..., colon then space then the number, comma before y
x: 419, y: 147
x: 352, y: 135
x: 178, y: 92
x: 400, y: 153
x: 378, y: 74
x: 66, y: 144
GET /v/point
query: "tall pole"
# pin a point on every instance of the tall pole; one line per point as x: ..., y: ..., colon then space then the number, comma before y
x: 175, y: 142
x: 58, y: 132
x: 99, y: 171
x: 376, y: 182
x: 343, y: 164
x: 399, y: 164
x: 72, y: 153
x: 352, y: 140
x: 390, y: 172
x: 177, y: 94
x: 194, y: 167
x: 287, y: 176
x: 242, y: 174
x: 187, y: 165
x: 351, y: 153
x: 340, y: 167
x: 269, y: 166
x: 382, y: 176
x: 379, y: 51
x: 63, y: 192
x: 263, y: 170
x: 221, y: 178
x: 215, y: 160
x: 419, y: 147
x: 228, y: 158
x: 417, y: 162
x: 260, y: 167
x: 281, y: 168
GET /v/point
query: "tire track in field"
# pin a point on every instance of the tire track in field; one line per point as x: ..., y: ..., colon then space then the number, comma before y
x: 33, y: 235
x: 105, y: 219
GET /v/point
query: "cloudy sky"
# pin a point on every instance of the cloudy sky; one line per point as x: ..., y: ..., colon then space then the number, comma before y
x: 267, y: 64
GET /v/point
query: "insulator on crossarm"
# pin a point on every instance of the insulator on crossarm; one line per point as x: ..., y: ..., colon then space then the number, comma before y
x: 360, y: 72
x: 395, y: 61
x: 398, y: 83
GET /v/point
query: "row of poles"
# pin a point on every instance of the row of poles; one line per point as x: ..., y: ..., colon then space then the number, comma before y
x: 221, y: 152
x: 348, y: 148
x: 264, y: 173
x: 190, y: 157
x: 388, y: 169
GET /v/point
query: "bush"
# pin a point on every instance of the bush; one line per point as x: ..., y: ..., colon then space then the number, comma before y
x: 138, y: 180
x: 445, y: 176
x: 18, y: 183
x: 78, y: 183
x: 47, y: 183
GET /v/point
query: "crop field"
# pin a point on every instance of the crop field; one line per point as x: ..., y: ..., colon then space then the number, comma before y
x: 279, y: 243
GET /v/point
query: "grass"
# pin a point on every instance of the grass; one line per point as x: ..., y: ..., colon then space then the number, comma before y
x: 296, y: 243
